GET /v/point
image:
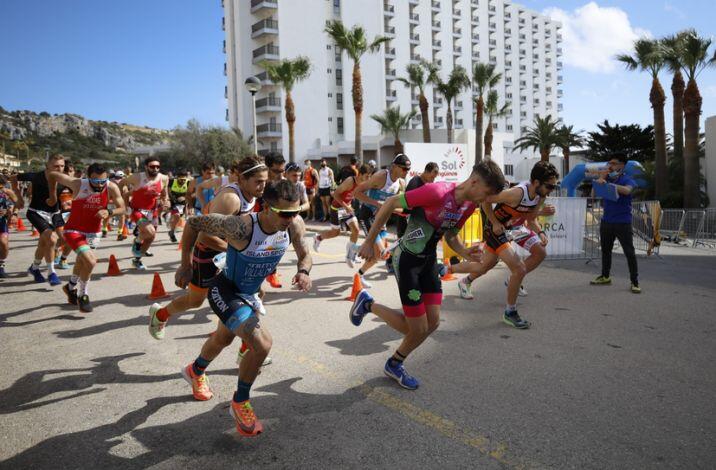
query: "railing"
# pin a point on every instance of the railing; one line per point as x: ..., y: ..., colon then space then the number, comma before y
x: 268, y: 23
x: 267, y: 49
x: 268, y: 101
x: 269, y: 127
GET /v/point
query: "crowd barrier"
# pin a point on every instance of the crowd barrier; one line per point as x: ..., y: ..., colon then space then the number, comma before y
x: 706, y: 233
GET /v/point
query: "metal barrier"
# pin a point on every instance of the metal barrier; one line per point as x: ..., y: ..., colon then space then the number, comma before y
x: 646, y: 226
x: 706, y: 233
x: 672, y: 225
x: 693, y: 222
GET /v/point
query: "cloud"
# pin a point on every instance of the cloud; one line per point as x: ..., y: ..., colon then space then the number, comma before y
x: 669, y: 8
x: 593, y: 35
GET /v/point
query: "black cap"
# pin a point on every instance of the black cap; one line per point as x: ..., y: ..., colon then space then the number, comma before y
x: 402, y: 160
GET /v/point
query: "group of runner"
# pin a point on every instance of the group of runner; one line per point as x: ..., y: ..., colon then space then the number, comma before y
x: 246, y: 221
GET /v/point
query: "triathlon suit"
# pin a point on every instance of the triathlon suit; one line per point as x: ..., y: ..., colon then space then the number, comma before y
x: 40, y: 215
x: 415, y: 257
x: 144, y: 199
x: 366, y: 214
x: 208, y: 195
x: 339, y: 216
x: 309, y: 181
x: 224, y: 181
x: 83, y: 222
x: 65, y: 198
x: 324, y: 182
x: 7, y: 205
x: 232, y: 295
x: 177, y: 196
x: 513, y: 218
x: 203, y: 269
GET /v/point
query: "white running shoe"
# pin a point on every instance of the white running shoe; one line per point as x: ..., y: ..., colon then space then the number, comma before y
x: 522, y: 292
x: 365, y: 283
x: 316, y: 243
x: 350, y: 255
x: 465, y: 288
x: 259, y: 305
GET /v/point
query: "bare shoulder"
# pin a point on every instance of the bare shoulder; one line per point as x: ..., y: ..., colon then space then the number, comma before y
x: 297, y: 229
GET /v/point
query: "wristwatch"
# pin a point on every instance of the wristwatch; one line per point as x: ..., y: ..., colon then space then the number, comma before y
x: 303, y: 271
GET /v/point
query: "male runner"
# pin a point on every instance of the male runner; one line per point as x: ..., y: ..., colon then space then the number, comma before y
x: 147, y: 188
x: 46, y: 219
x: 256, y: 244
x: 516, y: 208
x: 208, y: 170
x: 8, y: 199
x: 372, y: 194
x: 310, y: 180
x: 445, y: 208
x: 198, y: 258
x: 119, y: 175
x: 277, y: 171
x: 431, y: 172
x: 325, y: 183
x: 342, y: 216
x: 178, y: 188
x: 89, y: 209
x: 65, y: 200
x: 293, y: 174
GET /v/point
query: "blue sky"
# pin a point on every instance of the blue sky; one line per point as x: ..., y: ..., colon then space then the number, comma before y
x: 159, y: 62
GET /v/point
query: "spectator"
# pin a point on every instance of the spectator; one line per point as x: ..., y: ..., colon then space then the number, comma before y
x: 326, y: 181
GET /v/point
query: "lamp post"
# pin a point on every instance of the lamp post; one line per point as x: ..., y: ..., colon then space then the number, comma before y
x: 253, y: 85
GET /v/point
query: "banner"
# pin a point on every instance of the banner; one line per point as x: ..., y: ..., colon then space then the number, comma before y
x: 452, y: 160
x: 565, y: 229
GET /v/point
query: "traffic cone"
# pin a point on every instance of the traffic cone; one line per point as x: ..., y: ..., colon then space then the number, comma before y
x: 113, y: 269
x: 125, y: 232
x: 179, y: 246
x: 158, y: 291
x: 35, y: 233
x: 357, y: 287
x: 181, y: 223
x: 449, y: 276
x: 20, y: 225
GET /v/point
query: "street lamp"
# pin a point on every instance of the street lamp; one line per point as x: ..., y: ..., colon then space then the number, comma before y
x: 253, y: 85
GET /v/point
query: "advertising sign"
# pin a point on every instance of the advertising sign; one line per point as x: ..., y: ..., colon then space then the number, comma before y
x: 452, y: 160
x: 565, y: 228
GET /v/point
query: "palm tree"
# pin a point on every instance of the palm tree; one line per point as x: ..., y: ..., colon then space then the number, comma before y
x: 355, y: 43
x: 567, y: 139
x: 542, y: 137
x: 457, y: 81
x: 694, y: 59
x: 648, y: 56
x: 484, y: 77
x: 493, y: 111
x: 391, y: 121
x: 672, y: 46
x: 417, y: 79
x: 286, y: 74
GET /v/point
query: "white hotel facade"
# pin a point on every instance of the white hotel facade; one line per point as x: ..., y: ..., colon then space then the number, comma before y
x: 524, y: 45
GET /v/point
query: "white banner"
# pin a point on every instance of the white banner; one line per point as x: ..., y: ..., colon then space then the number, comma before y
x: 452, y: 159
x: 565, y: 228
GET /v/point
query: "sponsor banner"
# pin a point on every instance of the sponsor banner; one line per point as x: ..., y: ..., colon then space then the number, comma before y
x: 565, y: 229
x: 452, y: 160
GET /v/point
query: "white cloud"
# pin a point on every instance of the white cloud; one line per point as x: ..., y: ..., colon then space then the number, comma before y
x: 593, y: 35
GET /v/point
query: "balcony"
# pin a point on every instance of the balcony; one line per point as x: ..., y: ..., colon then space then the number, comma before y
x: 268, y: 26
x: 414, y: 39
x: 263, y: 76
x: 390, y: 31
x: 414, y: 18
x: 457, y: 32
x: 559, y: 93
x: 415, y: 100
x: 269, y: 104
x: 475, y: 20
x: 414, y: 2
x: 475, y: 56
x: 493, y: 26
x: 389, y: 10
x: 390, y: 74
x: 437, y: 44
x: 457, y: 50
x: 415, y: 59
x: 560, y: 107
x: 269, y: 52
x: 492, y: 8
x: 269, y: 130
x: 559, y: 65
x: 475, y: 38
x: 437, y: 102
x: 391, y: 95
x: 390, y: 53
x: 259, y: 5
x: 456, y: 13
x: 436, y: 6
x: 458, y: 106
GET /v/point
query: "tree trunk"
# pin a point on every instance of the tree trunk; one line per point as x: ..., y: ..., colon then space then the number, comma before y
x: 488, y: 139
x: 544, y: 154
x: 425, y: 118
x: 397, y: 146
x: 692, y: 112
x: 565, y: 154
x: 657, y: 97
x: 677, y: 90
x: 448, y: 122
x: 357, y: 92
x: 291, y: 120
x: 478, y: 128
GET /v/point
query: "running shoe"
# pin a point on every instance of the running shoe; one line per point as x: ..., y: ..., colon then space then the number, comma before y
x: 3, y: 274
x: 316, y: 243
x: 398, y: 373
x: 36, y: 273
x: 522, y: 292
x: 242, y: 352
x: 513, y: 319
x: 62, y: 264
x: 350, y: 255
x: 260, y: 305
x: 389, y: 266
x: 54, y: 279
x: 247, y: 424
x: 156, y: 326
x: 442, y: 270
x: 365, y: 282
x: 137, y: 263
x: 601, y: 281
x: 172, y: 237
x: 121, y: 237
x: 465, y: 287
x: 104, y: 234
x: 84, y: 304
x: 70, y: 293
x: 360, y: 307
x: 199, y: 384
x: 274, y: 281
x: 635, y: 289
x: 349, y: 261
x: 148, y: 254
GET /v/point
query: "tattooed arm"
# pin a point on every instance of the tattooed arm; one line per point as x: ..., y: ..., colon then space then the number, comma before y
x: 297, y: 230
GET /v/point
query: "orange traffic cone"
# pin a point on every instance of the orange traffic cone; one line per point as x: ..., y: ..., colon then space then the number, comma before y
x: 125, y: 232
x: 158, y: 291
x: 179, y: 246
x: 180, y: 224
x: 113, y: 267
x: 357, y: 287
x: 449, y: 276
x: 35, y: 233
x: 20, y: 225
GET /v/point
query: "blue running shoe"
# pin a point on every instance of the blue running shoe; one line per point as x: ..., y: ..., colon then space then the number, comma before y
x: 399, y: 374
x: 3, y: 274
x: 514, y: 320
x: 442, y: 270
x: 359, y: 308
x: 36, y: 274
x: 54, y: 279
x: 137, y: 263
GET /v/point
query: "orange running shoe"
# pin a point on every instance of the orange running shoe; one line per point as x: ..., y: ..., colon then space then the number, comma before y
x: 274, y: 280
x: 247, y: 424
x: 199, y: 384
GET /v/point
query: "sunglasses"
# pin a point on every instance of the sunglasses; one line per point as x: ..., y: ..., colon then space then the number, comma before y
x: 284, y: 213
x: 98, y: 180
x: 406, y: 168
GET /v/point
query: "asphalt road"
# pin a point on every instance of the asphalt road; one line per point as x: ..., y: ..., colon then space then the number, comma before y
x: 604, y: 379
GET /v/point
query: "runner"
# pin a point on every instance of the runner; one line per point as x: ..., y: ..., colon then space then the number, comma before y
x: 119, y: 175
x: 8, y: 199
x: 516, y: 208
x: 293, y: 174
x: 256, y: 244
x: 147, y: 188
x: 342, y: 216
x: 46, y: 219
x: 65, y: 201
x: 208, y: 169
x: 445, y: 208
x: 212, y: 186
x: 277, y: 171
x: 178, y: 188
x: 198, y: 258
x: 89, y: 208
x: 310, y: 180
x: 431, y: 172
x: 372, y: 194
x: 325, y: 183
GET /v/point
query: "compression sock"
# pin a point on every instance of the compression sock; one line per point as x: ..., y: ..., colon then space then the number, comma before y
x: 511, y: 308
x: 242, y: 391
x: 82, y: 287
x: 397, y: 359
x: 200, y: 365
x: 74, y: 279
x: 50, y: 267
